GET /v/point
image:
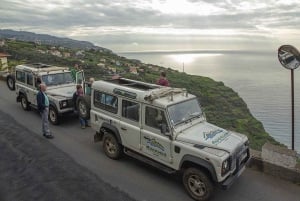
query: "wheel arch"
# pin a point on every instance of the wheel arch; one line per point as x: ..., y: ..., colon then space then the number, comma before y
x: 109, y: 128
x: 23, y: 93
x: 52, y: 104
x: 58, y: 117
x: 193, y: 161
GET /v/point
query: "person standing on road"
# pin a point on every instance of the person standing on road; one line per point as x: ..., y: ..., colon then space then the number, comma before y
x: 78, y: 93
x: 43, y: 107
x: 163, y: 80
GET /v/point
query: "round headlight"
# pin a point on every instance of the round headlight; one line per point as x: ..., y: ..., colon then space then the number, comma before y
x: 225, y: 165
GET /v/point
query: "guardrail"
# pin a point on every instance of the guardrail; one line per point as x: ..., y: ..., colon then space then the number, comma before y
x: 277, y: 161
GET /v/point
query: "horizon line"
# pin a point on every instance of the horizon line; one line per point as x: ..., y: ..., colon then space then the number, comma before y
x: 209, y: 51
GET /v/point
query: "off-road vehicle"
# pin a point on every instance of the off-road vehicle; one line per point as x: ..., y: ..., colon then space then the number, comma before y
x: 166, y: 128
x: 60, y: 87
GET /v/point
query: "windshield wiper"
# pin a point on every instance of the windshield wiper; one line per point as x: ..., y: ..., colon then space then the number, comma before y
x: 191, y: 116
x: 195, y: 114
x: 188, y: 118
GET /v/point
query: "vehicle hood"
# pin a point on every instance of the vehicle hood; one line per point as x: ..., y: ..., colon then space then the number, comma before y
x: 63, y: 91
x: 209, y: 135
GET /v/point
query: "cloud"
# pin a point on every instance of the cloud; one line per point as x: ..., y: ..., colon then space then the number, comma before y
x: 158, y: 21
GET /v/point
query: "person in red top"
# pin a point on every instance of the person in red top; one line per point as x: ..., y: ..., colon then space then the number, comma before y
x: 163, y: 80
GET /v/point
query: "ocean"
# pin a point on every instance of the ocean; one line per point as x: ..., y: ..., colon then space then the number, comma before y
x: 256, y: 76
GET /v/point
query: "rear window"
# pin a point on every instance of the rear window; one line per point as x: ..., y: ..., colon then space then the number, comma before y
x: 106, y: 101
x: 20, y: 76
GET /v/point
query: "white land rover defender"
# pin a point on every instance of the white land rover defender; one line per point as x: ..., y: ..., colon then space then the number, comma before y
x: 166, y: 128
x: 60, y: 87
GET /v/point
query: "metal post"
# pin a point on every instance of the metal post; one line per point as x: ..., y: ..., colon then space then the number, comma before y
x: 289, y: 57
x: 293, y: 113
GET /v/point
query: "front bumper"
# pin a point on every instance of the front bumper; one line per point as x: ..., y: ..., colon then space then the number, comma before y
x: 240, y: 167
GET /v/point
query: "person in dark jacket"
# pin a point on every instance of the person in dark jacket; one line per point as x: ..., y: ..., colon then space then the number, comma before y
x: 43, y: 107
x: 78, y: 93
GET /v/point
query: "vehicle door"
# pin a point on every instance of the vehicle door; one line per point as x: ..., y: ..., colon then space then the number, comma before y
x: 31, y: 91
x: 155, y: 133
x: 80, y: 79
x: 130, y: 124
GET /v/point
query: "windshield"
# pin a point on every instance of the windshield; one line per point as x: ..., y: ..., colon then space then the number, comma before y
x: 57, y: 79
x: 184, y: 111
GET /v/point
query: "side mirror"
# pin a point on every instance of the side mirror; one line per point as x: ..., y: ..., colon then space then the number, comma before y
x: 165, y: 130
x: 289, y: 57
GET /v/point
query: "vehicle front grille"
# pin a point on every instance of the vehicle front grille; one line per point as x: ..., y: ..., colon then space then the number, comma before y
x: 239, y: 157
x: 70, y: 103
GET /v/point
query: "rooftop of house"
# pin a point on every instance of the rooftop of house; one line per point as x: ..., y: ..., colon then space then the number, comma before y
x: 3, y: 55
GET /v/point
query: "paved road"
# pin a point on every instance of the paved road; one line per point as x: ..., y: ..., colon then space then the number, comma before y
x: 34, y: 169
x: 135, y: 178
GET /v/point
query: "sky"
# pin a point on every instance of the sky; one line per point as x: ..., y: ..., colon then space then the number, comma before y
x: 154, y: 25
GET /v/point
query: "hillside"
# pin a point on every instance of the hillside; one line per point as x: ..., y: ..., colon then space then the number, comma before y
x: 221, y: 104
x: 47, y: 39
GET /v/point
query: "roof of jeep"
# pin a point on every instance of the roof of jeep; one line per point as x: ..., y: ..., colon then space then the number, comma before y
x: 143, y: 92
x: 39, y: 67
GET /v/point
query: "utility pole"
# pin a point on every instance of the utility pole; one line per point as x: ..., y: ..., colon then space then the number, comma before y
x: 293, y: 109
x: 289, y: 57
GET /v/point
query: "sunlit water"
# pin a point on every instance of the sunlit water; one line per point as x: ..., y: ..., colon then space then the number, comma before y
x: 258, y: 77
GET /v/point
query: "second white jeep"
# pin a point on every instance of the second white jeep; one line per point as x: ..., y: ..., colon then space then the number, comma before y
x: 60, y: 87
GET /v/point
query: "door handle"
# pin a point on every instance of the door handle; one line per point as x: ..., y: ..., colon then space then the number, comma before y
x: 124, y: 129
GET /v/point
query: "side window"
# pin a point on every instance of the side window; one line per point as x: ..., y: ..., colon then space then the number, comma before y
x: 130, y: 110
x: 38, y: 81
x: 106, y: 101
x: 155, y: 118
x: 20, y: 76
x: 29, y: 79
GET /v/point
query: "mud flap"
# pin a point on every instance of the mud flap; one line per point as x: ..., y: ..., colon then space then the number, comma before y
x: 97, y: 137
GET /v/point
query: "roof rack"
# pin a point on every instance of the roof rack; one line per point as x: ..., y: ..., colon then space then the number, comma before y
x: 163, y: 92
x: 37, y: 65
x: 52, y: 68
x: 134, y: 84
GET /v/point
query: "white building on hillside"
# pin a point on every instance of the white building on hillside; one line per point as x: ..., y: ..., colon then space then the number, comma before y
x: 3, y: 61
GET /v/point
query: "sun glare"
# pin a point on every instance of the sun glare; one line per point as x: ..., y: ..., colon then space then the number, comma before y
x: 189, y: 58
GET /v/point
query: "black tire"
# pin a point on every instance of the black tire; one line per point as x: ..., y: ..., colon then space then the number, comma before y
x: 53, y: 116
x: 111, y: 147
x: 83, y: 105
x: 24, y: 102
x: 10, y: 81
x: 198, y: 184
